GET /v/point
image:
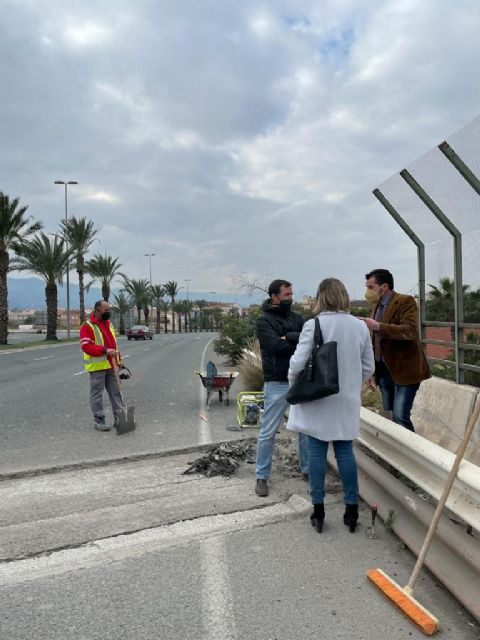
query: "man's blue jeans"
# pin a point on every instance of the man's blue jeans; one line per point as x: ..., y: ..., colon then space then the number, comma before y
x: 397, y: 398
x: 275, y: 407
x: 347, y: 469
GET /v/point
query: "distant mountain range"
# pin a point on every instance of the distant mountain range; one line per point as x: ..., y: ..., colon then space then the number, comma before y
x: 29, y: 293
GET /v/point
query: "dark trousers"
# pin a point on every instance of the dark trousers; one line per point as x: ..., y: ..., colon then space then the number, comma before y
x: 397, y: 398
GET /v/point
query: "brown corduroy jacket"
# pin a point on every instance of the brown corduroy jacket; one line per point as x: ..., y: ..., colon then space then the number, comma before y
x: 400, y: 344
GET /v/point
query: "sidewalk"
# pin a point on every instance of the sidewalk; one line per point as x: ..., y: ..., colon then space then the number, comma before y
x: 138, y: 550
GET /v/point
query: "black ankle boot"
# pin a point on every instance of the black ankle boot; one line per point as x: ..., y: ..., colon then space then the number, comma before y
x: 350, y: 516
x: 317, y: 517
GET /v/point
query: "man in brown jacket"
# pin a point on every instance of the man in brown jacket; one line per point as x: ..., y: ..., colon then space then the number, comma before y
x: 400, y: 364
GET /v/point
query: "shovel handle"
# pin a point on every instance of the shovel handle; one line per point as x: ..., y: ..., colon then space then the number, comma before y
x: 115, y: 369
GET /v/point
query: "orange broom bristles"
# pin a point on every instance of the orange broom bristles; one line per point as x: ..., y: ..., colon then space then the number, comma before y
x: 407, y: 604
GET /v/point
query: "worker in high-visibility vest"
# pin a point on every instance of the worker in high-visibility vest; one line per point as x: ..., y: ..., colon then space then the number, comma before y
x: 99, y: 346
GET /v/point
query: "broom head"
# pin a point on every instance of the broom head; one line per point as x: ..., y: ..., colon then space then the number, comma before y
x: 407, y: 604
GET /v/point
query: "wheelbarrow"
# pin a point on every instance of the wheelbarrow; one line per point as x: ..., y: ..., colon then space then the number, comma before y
x: 214, y: 380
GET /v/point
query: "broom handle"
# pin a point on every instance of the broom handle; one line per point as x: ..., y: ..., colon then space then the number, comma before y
x: 443, y: 498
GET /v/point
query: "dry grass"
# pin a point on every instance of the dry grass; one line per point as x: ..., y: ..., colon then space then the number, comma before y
x: 250, y: 366
x: 371, y: 399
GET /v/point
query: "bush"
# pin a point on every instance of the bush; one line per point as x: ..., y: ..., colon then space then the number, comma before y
x: 470, y: 357
x: 234, y: 336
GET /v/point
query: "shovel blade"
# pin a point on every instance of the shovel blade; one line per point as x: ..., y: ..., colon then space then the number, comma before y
x: 125, y: 421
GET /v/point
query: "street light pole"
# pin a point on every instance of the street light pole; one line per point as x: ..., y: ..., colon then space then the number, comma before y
x: 187, y: 280
x: 66, y: 183
x: 149, y: 256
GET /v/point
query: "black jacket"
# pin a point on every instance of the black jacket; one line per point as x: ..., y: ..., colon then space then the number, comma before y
x: 276, y: 352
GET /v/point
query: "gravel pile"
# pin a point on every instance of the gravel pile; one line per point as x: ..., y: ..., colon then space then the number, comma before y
x: 224, y: 459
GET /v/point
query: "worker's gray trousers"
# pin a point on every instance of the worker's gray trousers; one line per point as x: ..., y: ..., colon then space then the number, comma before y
x: 100, y: 380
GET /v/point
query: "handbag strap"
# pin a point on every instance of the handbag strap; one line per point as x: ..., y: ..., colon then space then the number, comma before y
x: 317, y: 337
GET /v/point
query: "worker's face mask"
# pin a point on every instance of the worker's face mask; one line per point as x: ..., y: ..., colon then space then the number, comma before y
x: 106, y: 315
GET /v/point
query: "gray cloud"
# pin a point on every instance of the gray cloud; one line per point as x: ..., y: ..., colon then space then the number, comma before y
x: 232, y: 137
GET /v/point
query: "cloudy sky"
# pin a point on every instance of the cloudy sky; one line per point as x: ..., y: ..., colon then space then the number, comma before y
x: 232, y: 137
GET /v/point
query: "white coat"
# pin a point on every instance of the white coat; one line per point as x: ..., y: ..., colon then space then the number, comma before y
x: 336, y: 417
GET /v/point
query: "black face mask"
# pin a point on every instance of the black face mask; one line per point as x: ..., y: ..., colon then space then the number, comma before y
x: 106, y: 315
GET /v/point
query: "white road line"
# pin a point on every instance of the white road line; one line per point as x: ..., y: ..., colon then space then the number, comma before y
x: 80, y: 373
x: 205, y: 433
x: 43, y: 358
x: 134, y: 545
x: 217, y: 601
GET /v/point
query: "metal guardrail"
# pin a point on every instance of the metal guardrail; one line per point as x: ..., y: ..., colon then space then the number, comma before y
x: 454, y: 556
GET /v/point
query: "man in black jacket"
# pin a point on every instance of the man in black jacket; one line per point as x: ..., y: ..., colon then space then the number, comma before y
x: 278, y: 330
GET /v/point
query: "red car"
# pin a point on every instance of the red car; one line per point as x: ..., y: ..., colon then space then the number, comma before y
x: 139, y: 332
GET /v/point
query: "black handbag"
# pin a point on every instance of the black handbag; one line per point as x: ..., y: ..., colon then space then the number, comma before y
x: 319, y: 377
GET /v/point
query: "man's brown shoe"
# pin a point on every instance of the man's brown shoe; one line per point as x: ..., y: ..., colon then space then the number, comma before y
x: 261, y: 488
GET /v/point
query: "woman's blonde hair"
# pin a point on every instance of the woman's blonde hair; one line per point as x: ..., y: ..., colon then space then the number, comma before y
x: 331, y: 296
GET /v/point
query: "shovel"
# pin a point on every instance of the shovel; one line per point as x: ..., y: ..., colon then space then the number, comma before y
x: 370, y: 531
x: 125, y: 419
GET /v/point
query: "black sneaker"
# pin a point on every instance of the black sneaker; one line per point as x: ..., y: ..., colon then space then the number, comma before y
x: 100, y: 424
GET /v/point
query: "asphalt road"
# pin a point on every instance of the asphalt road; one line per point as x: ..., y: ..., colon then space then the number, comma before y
x: 45, y: 418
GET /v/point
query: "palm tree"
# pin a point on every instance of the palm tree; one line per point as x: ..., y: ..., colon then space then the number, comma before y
x: 164, y: 307
x: 122, y: 304
x: 187, y: 308
x: 80, y: 234
x: 178, y: 308
x: 171, y: 289
x: 201, y: 306
x: 217, y: 314
x: 48, y: 259
x: 103, y: 269
x: 157, y: 298
x: 139, y: 292
x: 15, y: 227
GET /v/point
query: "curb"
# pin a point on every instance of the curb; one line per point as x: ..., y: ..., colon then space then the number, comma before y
x: 104, y: 462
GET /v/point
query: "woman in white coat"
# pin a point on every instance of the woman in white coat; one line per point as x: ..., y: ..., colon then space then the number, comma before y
x: 337, y: 417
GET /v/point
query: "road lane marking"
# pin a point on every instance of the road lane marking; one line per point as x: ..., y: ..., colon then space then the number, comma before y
x: 80, y: 373
x: 217, y: 600
x: 205, y: 433
x: 135, y: 545
x: 43, y: 358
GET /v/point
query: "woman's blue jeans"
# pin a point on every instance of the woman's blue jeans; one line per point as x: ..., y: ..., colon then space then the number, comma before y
x: 347, y: 468
x: 275, y: 405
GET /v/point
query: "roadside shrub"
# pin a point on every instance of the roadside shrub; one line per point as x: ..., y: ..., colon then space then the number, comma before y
x: 234, y: 336
x: 470, y: 357
x: 371, y: 399
x: 250, y: 366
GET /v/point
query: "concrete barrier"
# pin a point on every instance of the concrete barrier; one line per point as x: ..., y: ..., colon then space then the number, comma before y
x: 440, y: 414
